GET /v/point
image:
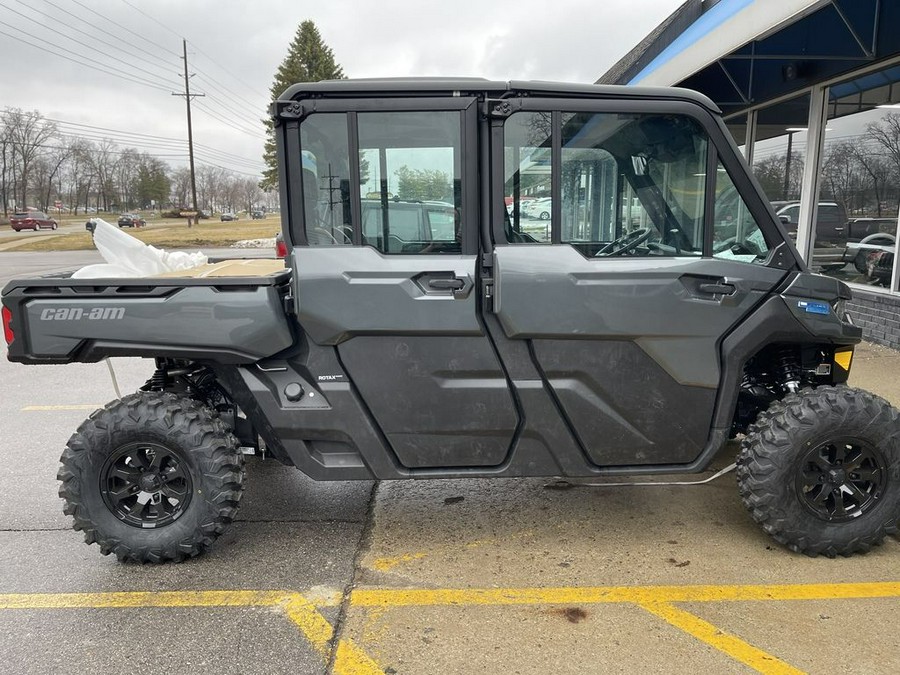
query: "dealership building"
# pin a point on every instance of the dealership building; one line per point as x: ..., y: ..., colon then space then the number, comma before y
x: 811, y: 93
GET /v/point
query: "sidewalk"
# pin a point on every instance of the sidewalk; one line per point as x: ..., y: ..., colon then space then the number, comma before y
x: 877, y: 369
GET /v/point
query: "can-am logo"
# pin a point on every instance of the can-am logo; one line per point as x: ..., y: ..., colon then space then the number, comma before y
x: 76, y: 313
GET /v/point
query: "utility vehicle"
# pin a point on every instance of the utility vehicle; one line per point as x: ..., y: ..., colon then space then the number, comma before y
x: 659, y: 311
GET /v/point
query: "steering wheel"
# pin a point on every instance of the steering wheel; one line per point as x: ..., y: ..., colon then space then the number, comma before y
x: 737, y: 247
x: 625, y: 243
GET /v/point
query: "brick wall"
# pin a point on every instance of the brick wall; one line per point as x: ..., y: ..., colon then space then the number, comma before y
x: 878, y: 315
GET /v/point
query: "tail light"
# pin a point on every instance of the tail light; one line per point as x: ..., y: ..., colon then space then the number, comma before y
x: 280, y: 248
x: 7, y: 326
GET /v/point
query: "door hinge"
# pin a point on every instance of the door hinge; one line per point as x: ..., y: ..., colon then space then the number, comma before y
x: 488, y: 286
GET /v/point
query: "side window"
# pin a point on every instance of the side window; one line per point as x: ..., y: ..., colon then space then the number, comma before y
x: 326, y: 179
x: 527, y: 177
x: 736, y: 235
x: 629, y: 184
x: 410, y: 181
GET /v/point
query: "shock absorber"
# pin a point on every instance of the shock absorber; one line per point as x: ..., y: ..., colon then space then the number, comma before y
x: 789, y: 369
x: 158, y: 381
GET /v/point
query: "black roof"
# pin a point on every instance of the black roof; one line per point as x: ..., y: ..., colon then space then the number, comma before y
x: 448, y: 86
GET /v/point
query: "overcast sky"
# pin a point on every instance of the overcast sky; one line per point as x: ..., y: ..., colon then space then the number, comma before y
x: 235, y: 46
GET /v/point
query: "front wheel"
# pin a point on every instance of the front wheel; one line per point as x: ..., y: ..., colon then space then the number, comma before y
x: 152, y: 477
x: 820, y: 471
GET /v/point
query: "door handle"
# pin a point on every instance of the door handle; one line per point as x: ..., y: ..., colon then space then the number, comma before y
x: 444, y: 284
x: 716, y: 289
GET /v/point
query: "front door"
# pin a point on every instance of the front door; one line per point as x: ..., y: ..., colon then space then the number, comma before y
x: 388, y: 277
x: 649, y: 258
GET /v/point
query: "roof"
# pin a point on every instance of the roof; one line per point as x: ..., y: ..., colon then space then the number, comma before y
x: 437, y: 86
x: 744, y: 52
x: 649, y: 48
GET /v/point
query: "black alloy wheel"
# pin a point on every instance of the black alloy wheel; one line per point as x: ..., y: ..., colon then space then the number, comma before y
x: 841, y: 479
x: 146, y: 485
x: 820, y: 470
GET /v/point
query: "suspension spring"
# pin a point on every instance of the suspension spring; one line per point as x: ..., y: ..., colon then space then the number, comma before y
x: 158, y: 381
x: 789, y: 369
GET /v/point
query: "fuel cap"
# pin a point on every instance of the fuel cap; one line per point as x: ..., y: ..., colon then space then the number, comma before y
x: 293, y: 391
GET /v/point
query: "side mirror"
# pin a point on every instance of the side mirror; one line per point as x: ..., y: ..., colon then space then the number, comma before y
x: 785, y: 219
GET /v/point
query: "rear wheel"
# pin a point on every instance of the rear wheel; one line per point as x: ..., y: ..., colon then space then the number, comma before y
x: 820, y: 471
x: 152, y: 477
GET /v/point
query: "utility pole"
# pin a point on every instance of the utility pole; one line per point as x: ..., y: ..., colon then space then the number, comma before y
x: 187, y: 97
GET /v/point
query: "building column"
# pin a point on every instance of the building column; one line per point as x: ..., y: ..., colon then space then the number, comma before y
x: 809, y: 188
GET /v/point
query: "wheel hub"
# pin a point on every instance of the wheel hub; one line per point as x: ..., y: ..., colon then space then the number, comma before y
x: 146, y: 485
x: 150, y: 482
x: 837, y: 477
x: 841, y: 479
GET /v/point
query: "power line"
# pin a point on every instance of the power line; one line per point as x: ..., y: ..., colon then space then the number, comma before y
x: 116, y: 37
x: 226, y: 122
x: 158, y: 23
x: 229, y: 73
x: 94, y: 133
x: 216, y: 85
x: 224, y: 109
x: 125, y: 28
x: 115, y: 72
x: 212, y: 61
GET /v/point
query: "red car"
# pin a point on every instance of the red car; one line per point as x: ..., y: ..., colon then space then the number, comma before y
x: 32, y: 220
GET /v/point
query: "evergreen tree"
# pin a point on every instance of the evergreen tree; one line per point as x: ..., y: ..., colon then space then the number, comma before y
x: 308, y: 59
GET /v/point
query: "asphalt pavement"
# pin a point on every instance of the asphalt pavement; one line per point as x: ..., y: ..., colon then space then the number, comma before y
x: 459, y: 576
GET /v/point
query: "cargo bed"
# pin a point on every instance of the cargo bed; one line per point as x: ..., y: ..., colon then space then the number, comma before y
x: 226, y: 312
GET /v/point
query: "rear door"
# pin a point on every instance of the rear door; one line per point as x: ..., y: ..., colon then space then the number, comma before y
x: 385, y: 270
x: 650, y: 257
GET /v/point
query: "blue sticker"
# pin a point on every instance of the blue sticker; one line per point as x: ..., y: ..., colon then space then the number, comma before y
x: 814, y: 307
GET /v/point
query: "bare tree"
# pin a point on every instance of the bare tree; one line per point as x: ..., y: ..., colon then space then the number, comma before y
x: 27, y: 134
x: 842, y: 174
x: 886, y: 134
x: 251, y: 194
x: 181, y: 187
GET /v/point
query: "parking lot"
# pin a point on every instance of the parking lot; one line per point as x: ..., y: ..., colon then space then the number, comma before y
x: 460, y: 576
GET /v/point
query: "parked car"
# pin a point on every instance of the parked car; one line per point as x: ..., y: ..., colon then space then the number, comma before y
x: 859, y: 252
x: 831, y: 222
x: 131, y: 220
x: 257, y: 215
x: 226, y: 217
x: 32, y: 220
x: 538, y: 208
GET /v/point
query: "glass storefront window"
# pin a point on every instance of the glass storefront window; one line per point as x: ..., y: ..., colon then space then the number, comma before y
x: 860, y: 181
x: 780, y: 151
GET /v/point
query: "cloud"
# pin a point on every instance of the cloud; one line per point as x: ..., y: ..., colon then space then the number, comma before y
x: 235, y: 47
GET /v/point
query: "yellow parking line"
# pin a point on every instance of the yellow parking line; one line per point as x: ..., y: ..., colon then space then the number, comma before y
x: 654, y: 599
x: 349, y: 658
x: 142, y: 599
x: 633, y: 594
x: 74, y: 406
x: 308, y: 619
x: 724, y: 642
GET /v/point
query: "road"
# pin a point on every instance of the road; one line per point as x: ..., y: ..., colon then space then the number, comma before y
x: 7, y: 232
x: 457, y: 576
